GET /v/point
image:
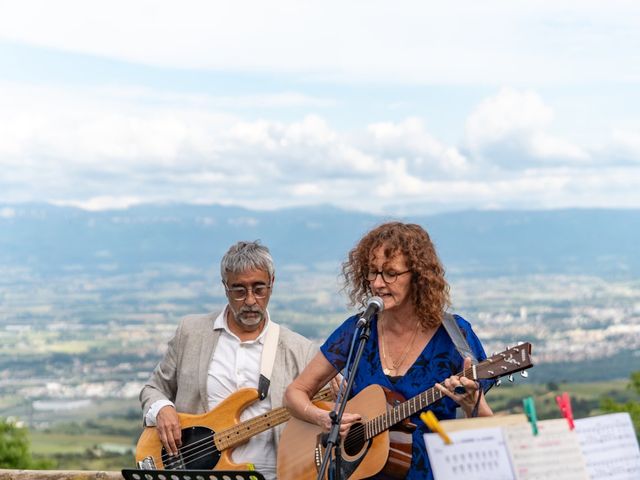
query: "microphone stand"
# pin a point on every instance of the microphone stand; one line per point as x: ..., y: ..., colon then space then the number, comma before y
x: 333, y: 437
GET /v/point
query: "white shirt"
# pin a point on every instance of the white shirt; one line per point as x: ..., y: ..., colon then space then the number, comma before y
x: 234, y: 365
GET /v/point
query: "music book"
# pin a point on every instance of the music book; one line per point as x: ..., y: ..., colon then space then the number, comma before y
x: 504, y: 448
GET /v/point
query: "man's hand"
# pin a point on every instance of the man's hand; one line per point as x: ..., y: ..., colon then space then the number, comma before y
x: 168, y: 425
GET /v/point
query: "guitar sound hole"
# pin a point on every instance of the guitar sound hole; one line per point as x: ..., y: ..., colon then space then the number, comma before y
x: 198, y: 452
x: 355, y: 439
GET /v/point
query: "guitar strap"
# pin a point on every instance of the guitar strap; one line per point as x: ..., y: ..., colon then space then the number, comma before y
x: 268, y: 358
x: 457, y: 337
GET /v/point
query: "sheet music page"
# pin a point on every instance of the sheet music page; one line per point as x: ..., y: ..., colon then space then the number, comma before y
x: 610, y: 446
x: 476, y: 454
x: 553, y: 454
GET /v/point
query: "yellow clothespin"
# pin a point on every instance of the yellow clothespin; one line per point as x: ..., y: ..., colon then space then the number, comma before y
x: 434, y: 425
x: 530, y: 412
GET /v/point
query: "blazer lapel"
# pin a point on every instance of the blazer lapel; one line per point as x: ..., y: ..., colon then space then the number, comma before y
x: 209, y: 341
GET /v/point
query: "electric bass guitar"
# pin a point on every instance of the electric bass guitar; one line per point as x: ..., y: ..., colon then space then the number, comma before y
x: 209, y: 438
x: 382, y: 441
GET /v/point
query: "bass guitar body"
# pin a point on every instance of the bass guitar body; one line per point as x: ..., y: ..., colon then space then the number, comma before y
x: 198, y: 451
x: 301, y: 448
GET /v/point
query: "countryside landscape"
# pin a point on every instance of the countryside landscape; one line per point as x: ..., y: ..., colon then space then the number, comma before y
x: 89, y: 299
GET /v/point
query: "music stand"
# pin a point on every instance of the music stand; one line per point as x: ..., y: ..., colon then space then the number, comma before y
x: 134, y: 474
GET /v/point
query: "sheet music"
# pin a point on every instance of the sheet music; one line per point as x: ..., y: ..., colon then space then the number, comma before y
x: 474, y: 455
x: 554, y: 453
x: 610, y: 446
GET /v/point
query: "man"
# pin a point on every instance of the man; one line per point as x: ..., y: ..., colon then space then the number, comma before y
x: 213, y: 355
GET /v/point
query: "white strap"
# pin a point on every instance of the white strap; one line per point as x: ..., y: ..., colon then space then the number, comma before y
x: 268, y: 358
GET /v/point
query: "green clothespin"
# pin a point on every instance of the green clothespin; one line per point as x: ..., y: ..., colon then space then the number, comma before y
x: 530, y: 412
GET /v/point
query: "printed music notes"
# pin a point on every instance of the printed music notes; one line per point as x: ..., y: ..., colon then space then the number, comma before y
x: 473, y: 455
x: 553, y: 453
x: 610, y: 446
x: 603, y: 447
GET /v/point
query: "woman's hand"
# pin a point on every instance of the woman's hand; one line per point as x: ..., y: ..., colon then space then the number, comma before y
x: 323, y: 419
x: 467, y: 390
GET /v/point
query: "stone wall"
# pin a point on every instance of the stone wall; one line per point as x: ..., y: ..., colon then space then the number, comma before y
x: 58, y: 475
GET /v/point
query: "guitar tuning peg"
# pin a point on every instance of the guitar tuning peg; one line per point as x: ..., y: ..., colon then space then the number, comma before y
x: 511, y: 378
x: 520, y: 343
x: 493, y: 354
x: 498, y: 382
x: 524, y: 374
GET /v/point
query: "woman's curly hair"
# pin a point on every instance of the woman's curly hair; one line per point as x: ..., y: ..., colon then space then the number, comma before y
x: 429, y: 289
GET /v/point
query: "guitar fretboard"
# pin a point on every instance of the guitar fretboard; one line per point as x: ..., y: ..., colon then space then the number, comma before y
x: 233, y: 436
x: 405, y: 409
x: 242, y: 432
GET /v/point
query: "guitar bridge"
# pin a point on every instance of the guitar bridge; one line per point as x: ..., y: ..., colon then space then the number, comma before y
x: 147, y: 463
x: 318, y: 452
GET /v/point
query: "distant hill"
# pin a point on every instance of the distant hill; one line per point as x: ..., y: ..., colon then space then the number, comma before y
x: 48, y: 238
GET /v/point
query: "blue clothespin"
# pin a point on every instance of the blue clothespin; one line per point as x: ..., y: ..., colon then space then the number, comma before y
x: 530, y: 412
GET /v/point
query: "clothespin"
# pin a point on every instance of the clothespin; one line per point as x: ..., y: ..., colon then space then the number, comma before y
x: 434, y: 425
x: 530, y: 412
x: 564, y: 403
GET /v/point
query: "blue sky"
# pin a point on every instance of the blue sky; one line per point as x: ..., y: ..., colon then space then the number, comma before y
x: 388, y: 107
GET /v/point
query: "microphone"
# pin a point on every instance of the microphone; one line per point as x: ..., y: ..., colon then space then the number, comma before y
x: 374, y: 305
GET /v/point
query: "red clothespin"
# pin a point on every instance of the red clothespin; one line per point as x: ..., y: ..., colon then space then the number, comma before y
x: 564, y: 403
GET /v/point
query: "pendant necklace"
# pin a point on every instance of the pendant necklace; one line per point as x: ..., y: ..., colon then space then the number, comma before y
x: 398, y: 364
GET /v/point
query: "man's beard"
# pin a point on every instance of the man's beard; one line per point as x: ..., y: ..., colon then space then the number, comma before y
x: 241, y: 317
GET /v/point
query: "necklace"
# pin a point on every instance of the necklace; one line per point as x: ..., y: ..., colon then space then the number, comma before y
x: 398, y: 364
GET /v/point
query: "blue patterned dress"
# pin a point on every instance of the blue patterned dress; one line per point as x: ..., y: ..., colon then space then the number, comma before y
x: 438, y: 361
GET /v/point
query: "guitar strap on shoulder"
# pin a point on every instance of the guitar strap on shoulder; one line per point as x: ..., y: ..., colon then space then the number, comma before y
x: 457, y: 337
x: 268, y: 358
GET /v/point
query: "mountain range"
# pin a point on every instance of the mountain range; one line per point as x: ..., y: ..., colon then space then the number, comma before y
x: 47, y: 238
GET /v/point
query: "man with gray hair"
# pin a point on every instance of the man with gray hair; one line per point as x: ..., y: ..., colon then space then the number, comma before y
x: 211, y: 356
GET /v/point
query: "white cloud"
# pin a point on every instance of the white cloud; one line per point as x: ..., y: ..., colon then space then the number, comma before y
x: 423, y: 154
x: 510, y: 130
x: 626, y: 145
x: 419, y: 41
x: 108, y: 150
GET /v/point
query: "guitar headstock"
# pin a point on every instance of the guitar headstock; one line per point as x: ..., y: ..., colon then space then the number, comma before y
x: 514, y: 359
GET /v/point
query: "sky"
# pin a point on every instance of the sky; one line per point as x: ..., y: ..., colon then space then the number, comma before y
x: 400, y: 107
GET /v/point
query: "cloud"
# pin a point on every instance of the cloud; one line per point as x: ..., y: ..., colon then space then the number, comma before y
x: 420, y: 152
x: 625, y: 145
x: 466, y: 42
x: 103, y: 148
x: 510, y: 130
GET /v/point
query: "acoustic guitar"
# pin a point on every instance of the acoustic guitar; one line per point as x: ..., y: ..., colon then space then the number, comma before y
x: 381, y: 442
x: 209, y: 438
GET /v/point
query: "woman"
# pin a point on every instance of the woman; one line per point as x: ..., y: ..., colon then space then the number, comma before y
x: 408, y: 351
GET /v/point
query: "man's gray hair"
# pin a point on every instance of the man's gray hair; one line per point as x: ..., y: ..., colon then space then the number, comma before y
x: 244, y: 256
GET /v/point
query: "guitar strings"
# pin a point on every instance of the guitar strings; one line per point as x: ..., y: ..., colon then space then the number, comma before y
x: 200, y: 448
x: 186, y: 453
x: 357, y: 429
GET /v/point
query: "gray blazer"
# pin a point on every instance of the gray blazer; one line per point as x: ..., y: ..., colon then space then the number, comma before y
x: 181, y: 376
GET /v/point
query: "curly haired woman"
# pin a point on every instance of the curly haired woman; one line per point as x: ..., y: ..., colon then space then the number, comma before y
x: 408, y: 350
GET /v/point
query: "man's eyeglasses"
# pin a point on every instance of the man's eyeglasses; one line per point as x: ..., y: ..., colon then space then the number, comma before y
x: 240, y: 293
x: 388, y: 276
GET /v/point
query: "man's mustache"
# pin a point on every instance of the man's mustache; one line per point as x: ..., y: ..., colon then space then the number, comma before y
x: 250, y: 310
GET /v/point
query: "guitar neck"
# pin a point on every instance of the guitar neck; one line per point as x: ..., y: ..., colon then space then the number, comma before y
x: 238, y: 434
x: 395, y: 415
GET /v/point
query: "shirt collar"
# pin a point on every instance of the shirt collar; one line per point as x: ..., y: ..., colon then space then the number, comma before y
x: 220, y: 323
